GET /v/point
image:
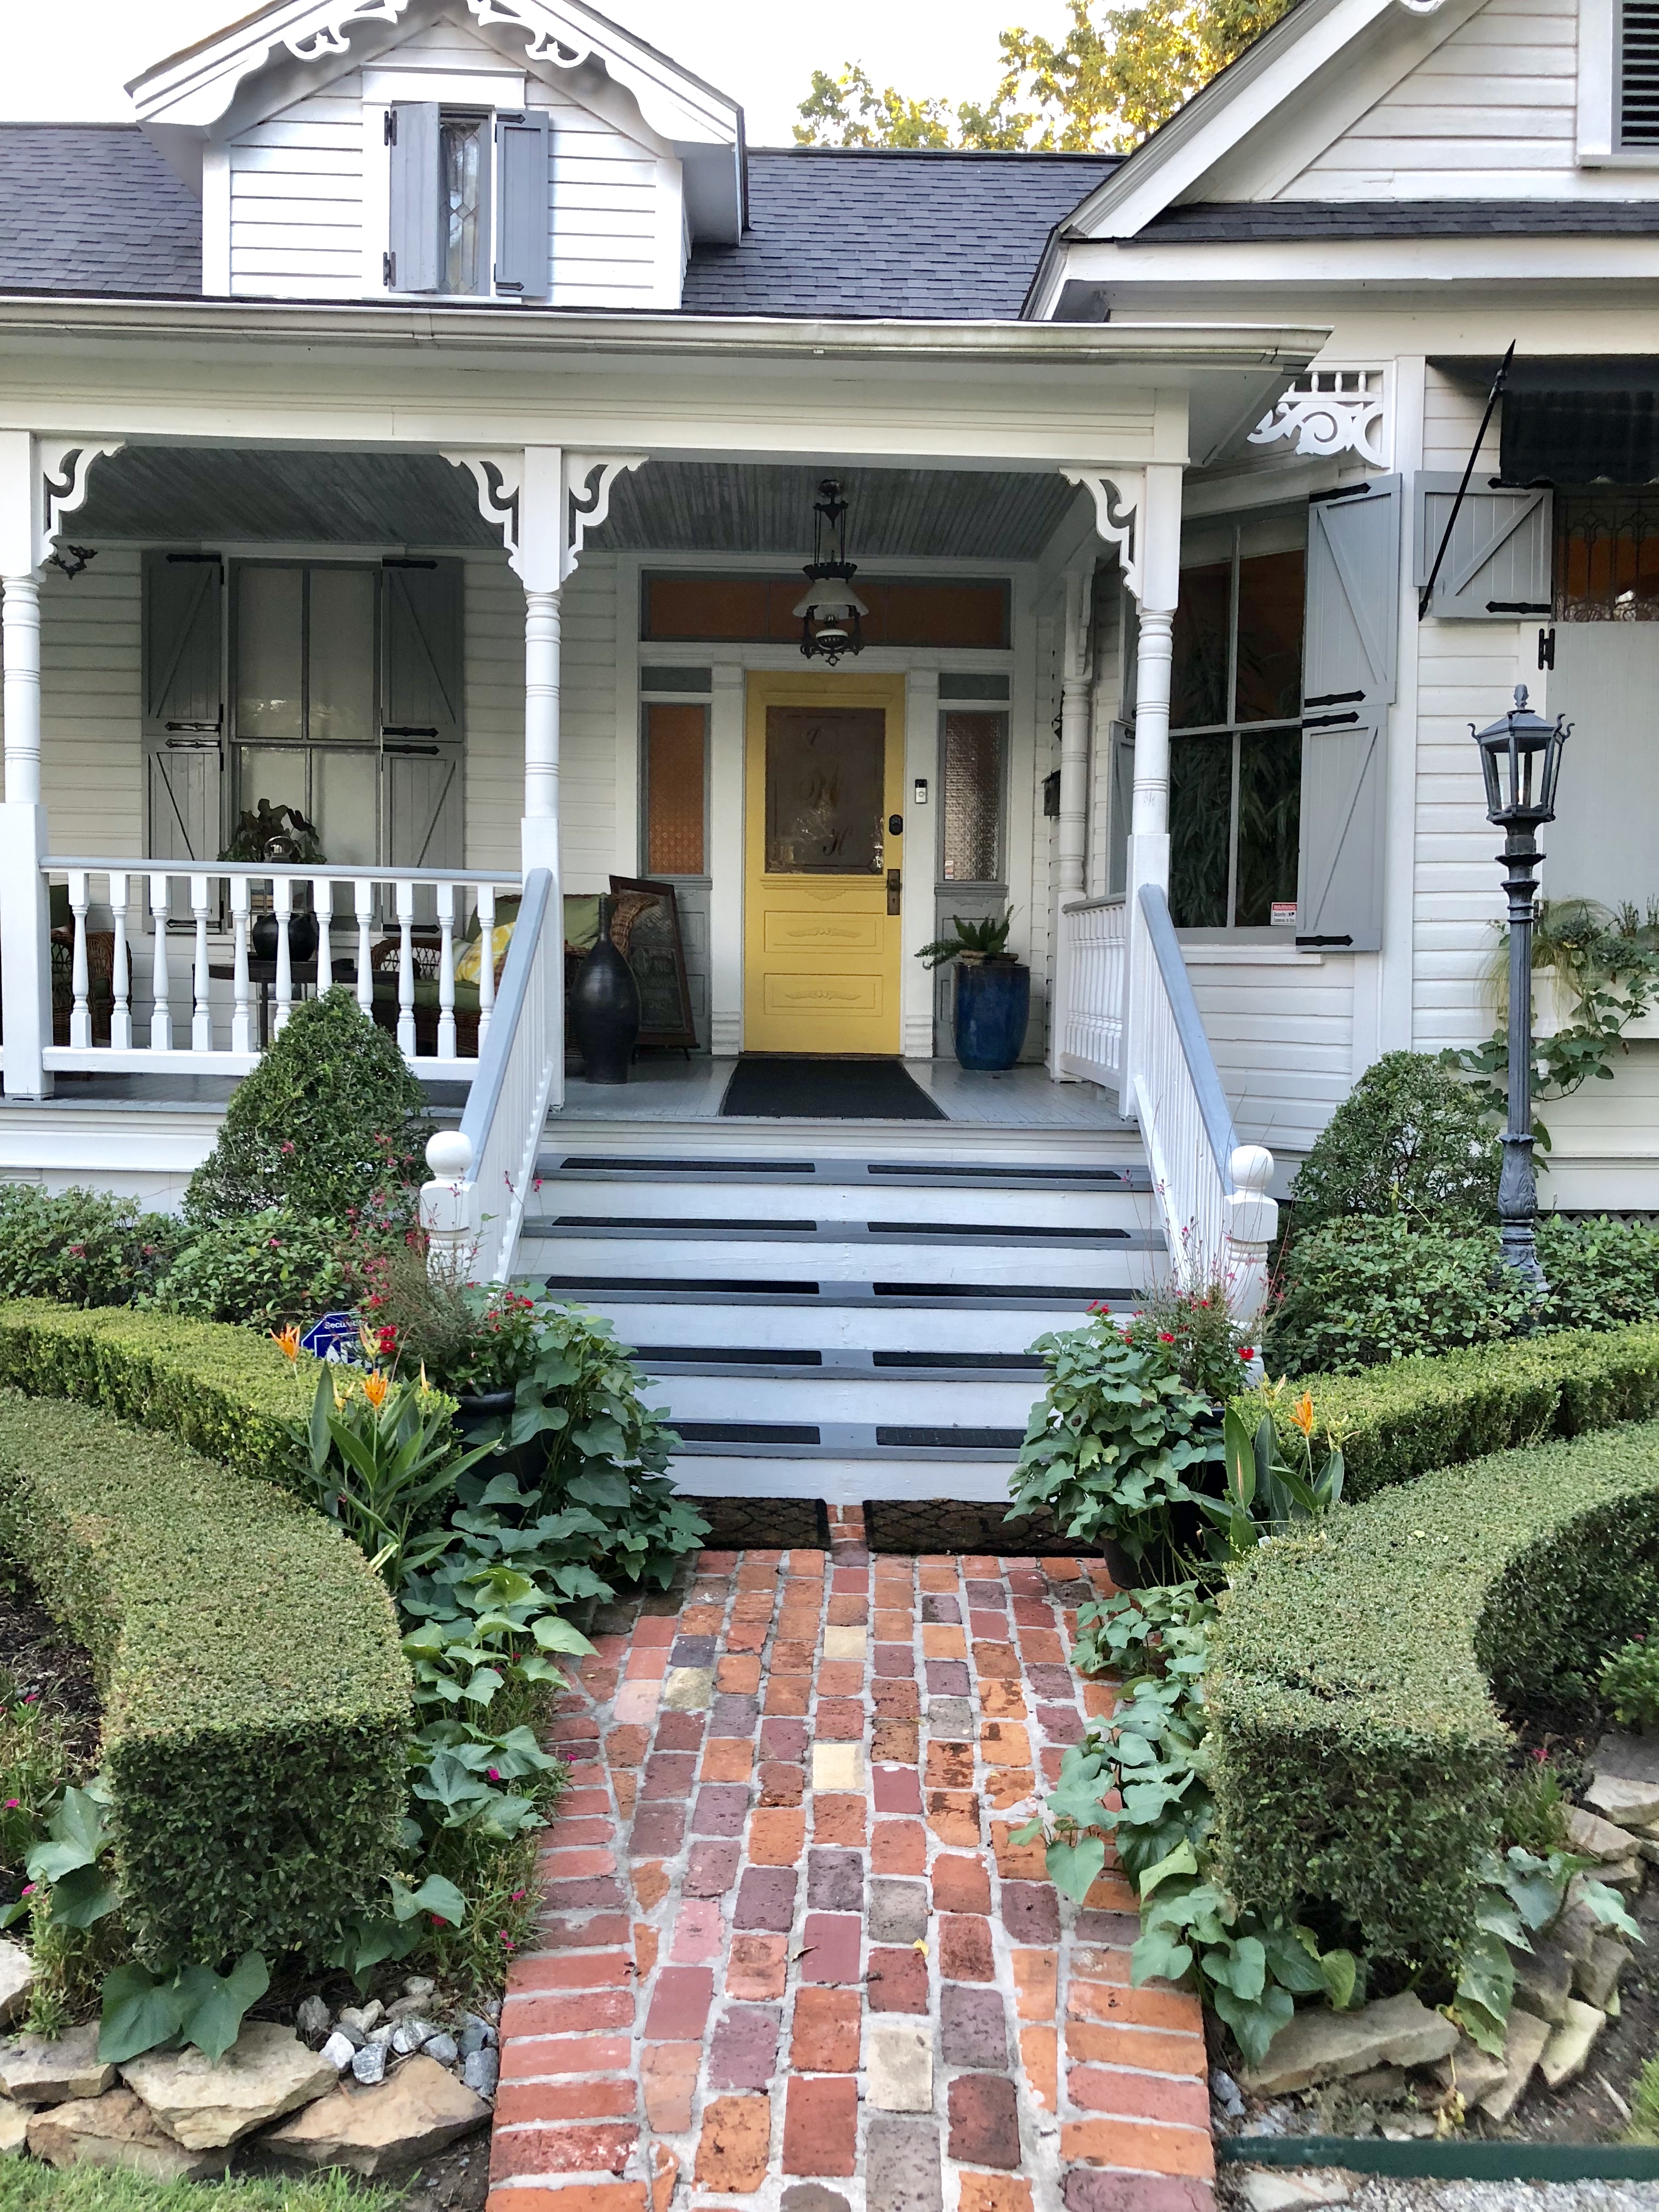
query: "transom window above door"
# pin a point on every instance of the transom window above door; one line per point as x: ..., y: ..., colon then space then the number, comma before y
x: 1234, y: 717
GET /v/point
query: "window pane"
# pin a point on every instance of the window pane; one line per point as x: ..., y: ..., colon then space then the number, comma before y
x: 973, y: 797
x: 1269, y: 637
x: 824, y: 779
x: 462, y: 153
x: 674, y: 743
x: 1607, y: 556
x: 268, y: 652
x: 1198, y: 680
x: 1269, y: 823
x: 1200, y: 830
x: 341, y: 685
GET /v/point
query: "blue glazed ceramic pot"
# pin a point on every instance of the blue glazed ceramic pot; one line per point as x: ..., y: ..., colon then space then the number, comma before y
x: 994, y: 1004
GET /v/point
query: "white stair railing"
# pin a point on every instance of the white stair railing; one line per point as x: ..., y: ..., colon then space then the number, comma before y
x: 1095, y: 954
x: 473, y: 1209
x: 1211, y: 1190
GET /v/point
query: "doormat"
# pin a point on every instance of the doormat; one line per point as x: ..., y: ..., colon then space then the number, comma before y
x: 916, y: 1526
x: 776, y: 1090
x: 772, y: 1525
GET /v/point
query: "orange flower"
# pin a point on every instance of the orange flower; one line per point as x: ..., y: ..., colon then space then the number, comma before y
x: 1303, y: 1412
x: 375, y: 1387
x: 287, y: 1341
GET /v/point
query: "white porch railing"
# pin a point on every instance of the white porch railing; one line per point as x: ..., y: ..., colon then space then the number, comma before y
x: 483, y: 1172
x: 163, y: 1013
x: 1093, y: 961
x: 1211, y: 1190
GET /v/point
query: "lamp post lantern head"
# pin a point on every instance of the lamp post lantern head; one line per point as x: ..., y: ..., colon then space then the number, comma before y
x: 831, y: 614
x: 1520, y: 759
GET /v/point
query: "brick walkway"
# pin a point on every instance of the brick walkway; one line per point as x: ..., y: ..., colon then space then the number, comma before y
x: 790, y: 1958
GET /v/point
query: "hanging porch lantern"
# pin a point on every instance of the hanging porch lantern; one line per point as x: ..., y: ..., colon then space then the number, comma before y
x: 831, y: 613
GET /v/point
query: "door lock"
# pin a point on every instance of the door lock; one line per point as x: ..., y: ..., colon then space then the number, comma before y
x: 895, y: 825
x: 895, y: 884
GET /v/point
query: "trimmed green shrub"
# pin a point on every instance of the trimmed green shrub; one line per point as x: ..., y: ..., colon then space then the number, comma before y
x: 270, y: 1269
x: 1359, y: 1755
x: 329, y: 1125
x: 226, y: 1393
x: 256, y: 1699
x: 1409, y: 1138
x: 1397, y: 1422
x: 1602, y: 1273
x: 81, y: 1247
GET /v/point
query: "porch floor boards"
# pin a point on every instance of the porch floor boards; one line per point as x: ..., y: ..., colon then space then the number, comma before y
x: 673, y: 1089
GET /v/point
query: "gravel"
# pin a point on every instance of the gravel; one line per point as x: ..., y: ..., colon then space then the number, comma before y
x: 1387, y: 2193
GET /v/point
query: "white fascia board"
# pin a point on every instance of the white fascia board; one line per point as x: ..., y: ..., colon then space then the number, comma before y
x: 1213, y: 122
x: 1156, y: 279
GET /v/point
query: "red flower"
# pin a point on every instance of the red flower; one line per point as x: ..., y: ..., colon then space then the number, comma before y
x: 1164, y: 1337
x: 1247, y: 1351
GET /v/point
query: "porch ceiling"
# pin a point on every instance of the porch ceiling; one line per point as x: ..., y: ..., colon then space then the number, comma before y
x: 167, y: 493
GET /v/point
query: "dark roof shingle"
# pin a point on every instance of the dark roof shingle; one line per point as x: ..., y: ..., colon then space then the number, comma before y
x: 91, y: 207
x: 841, y: 231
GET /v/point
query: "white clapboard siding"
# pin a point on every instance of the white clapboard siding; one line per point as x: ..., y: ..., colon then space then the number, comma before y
x: 603, y: 208
x: 1283, y: 1041
x: 1490, y: 111
x: 587, y: 719
x: 296, y: 196
x: 91, y: 746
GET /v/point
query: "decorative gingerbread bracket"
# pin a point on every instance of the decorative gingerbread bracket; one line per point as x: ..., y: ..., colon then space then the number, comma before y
x: 543, y: 502
x: 1333, y: 410
x: 63, y: 465
x: 1118, y: 497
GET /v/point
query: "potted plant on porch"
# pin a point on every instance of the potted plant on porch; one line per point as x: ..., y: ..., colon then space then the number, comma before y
x: 283, y: 836
x: 994, y: 991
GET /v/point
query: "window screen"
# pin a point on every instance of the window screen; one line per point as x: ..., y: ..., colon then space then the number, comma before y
x: 973, y: 798
x: 676, y: 741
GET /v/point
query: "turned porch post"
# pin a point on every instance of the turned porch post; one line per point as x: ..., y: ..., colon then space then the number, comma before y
x: 25, y: 929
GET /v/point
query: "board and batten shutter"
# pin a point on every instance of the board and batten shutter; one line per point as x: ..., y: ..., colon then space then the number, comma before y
x: 183, y: 715
x: 414, y: 232
x: 523, y: 183
x: 1498, y: 564
x: 421, y: 680
x: 1349, y: 657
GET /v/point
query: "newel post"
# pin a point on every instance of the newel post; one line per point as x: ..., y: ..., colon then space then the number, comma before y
x: 1252, y: 1219
x: 448, y: 1205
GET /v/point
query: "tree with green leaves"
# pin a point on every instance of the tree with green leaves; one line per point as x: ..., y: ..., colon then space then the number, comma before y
x: 1109, y: 82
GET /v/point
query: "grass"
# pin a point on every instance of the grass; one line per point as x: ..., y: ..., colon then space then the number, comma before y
x: 26, y: 2187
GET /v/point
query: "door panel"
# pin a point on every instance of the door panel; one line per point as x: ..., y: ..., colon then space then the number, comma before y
x: 822, y: 932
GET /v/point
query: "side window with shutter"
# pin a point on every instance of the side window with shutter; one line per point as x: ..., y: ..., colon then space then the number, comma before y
x: 1498, y: 563
x: 1349, y: 650
x: 413, y: 261
x: 523, y: 183
x: 183, y: 704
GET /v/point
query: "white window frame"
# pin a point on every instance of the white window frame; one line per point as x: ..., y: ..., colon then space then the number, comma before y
x: 1598, y: 146
x: 473, y: 91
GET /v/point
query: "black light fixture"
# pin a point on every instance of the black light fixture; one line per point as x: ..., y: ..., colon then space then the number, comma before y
x: 1520, y: 760
x: 831, y: 613
x: 71, y: 559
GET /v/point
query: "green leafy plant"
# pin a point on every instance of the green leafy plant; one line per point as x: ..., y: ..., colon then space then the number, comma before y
x: 1113, y: 1446
x: 1411, y: 1137
x: 1630, y: 1683
x: 1266, y: 1493
x: 261, y: 828
x: 1362, y: 1291
x: 1520, y: 1895
x: 467, y: 1339
x: 985, y: 939
x: 191, y: 2004
x: 1191, y: 1329
x: 266, y: 1270
x: 383, y: 1453
x: 81, y: 1247
x: 371, y: 1940
x: 329, y: 1125
x: 1534, y: 1814
x: 73, y: 1862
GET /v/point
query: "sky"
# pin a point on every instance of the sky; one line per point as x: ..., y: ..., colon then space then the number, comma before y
x: 762, y: 55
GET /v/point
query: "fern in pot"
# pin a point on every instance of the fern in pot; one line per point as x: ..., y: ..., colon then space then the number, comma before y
x: 993, y: 994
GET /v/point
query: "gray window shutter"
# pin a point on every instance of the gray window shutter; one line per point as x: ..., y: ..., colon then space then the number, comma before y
x: 1350, y: 656
x: 412, y: 257
x: 420, y: 805
x: 523, y: 183
x: 422, y: 683
x: 183, y: 704
x: 1498, y: 564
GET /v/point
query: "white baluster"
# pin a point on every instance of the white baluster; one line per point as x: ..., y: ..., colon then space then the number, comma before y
x: 447, y: 972
x: 241, y: 1018
x: 406, y: 969
x: 362, y: 892
x: 486, y: 959
x: 322, y: 900
x: 120, y: 1020
x: 160, y: 1017
x: 201, y: 1026
x: 80, y: 1012
x: 282, y: 898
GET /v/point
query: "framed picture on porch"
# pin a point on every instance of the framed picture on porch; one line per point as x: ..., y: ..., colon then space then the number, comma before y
x: 645, y: 926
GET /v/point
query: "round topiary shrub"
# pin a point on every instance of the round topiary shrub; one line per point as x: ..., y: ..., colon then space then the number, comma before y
x: 1408, y: 1139
x: 329, y: 1126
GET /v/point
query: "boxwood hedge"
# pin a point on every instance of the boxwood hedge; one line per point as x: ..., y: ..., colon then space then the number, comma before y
x: 1401, y: 1420
x: 256, y: 1701
x: 1358, y: 1746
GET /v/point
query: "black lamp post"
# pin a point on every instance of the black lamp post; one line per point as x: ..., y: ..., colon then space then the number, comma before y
x: 831, y: 615
x: 1520, y: 758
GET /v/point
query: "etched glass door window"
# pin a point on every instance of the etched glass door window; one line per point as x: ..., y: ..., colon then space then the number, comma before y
x: 825, y: 779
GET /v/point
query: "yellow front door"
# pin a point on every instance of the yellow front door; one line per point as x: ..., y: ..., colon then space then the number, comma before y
x: 821, y: 911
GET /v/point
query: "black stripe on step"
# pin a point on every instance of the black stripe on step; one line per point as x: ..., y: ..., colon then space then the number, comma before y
x: 968, y: 1232
x: 746, y: 1432
x: 600, y: 1164
x: 947, y: 1439
x: 625, y: 1288
x: 738, y: 1229
x: 995, y: 1362
x: 971, y: 1170
x: 1063, y: 1294
x: 699, y: 1355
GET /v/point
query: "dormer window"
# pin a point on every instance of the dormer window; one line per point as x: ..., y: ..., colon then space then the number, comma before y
x: 460, y: 223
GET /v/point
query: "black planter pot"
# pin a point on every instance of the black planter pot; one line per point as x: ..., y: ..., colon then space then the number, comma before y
x: 301, y: 937
x: 604, y: 1009
x: 475, y: 1417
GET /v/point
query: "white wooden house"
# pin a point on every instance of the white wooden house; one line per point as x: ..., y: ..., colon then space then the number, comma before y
x: 416, y: 417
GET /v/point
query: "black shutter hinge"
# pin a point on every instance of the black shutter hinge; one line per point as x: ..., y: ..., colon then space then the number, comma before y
x: 1547, y: 647
x: 391, y: 126
x: 389, y: 271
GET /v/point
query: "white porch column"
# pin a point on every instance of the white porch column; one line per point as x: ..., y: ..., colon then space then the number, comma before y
x: 539, y: 829
x: 25, y: 932
x: 1156, y: 587
x: 1076, y: 685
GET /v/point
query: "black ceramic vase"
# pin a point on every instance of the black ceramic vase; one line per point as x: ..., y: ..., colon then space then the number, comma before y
x: 604, y: 1009
x: 301, y: 937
